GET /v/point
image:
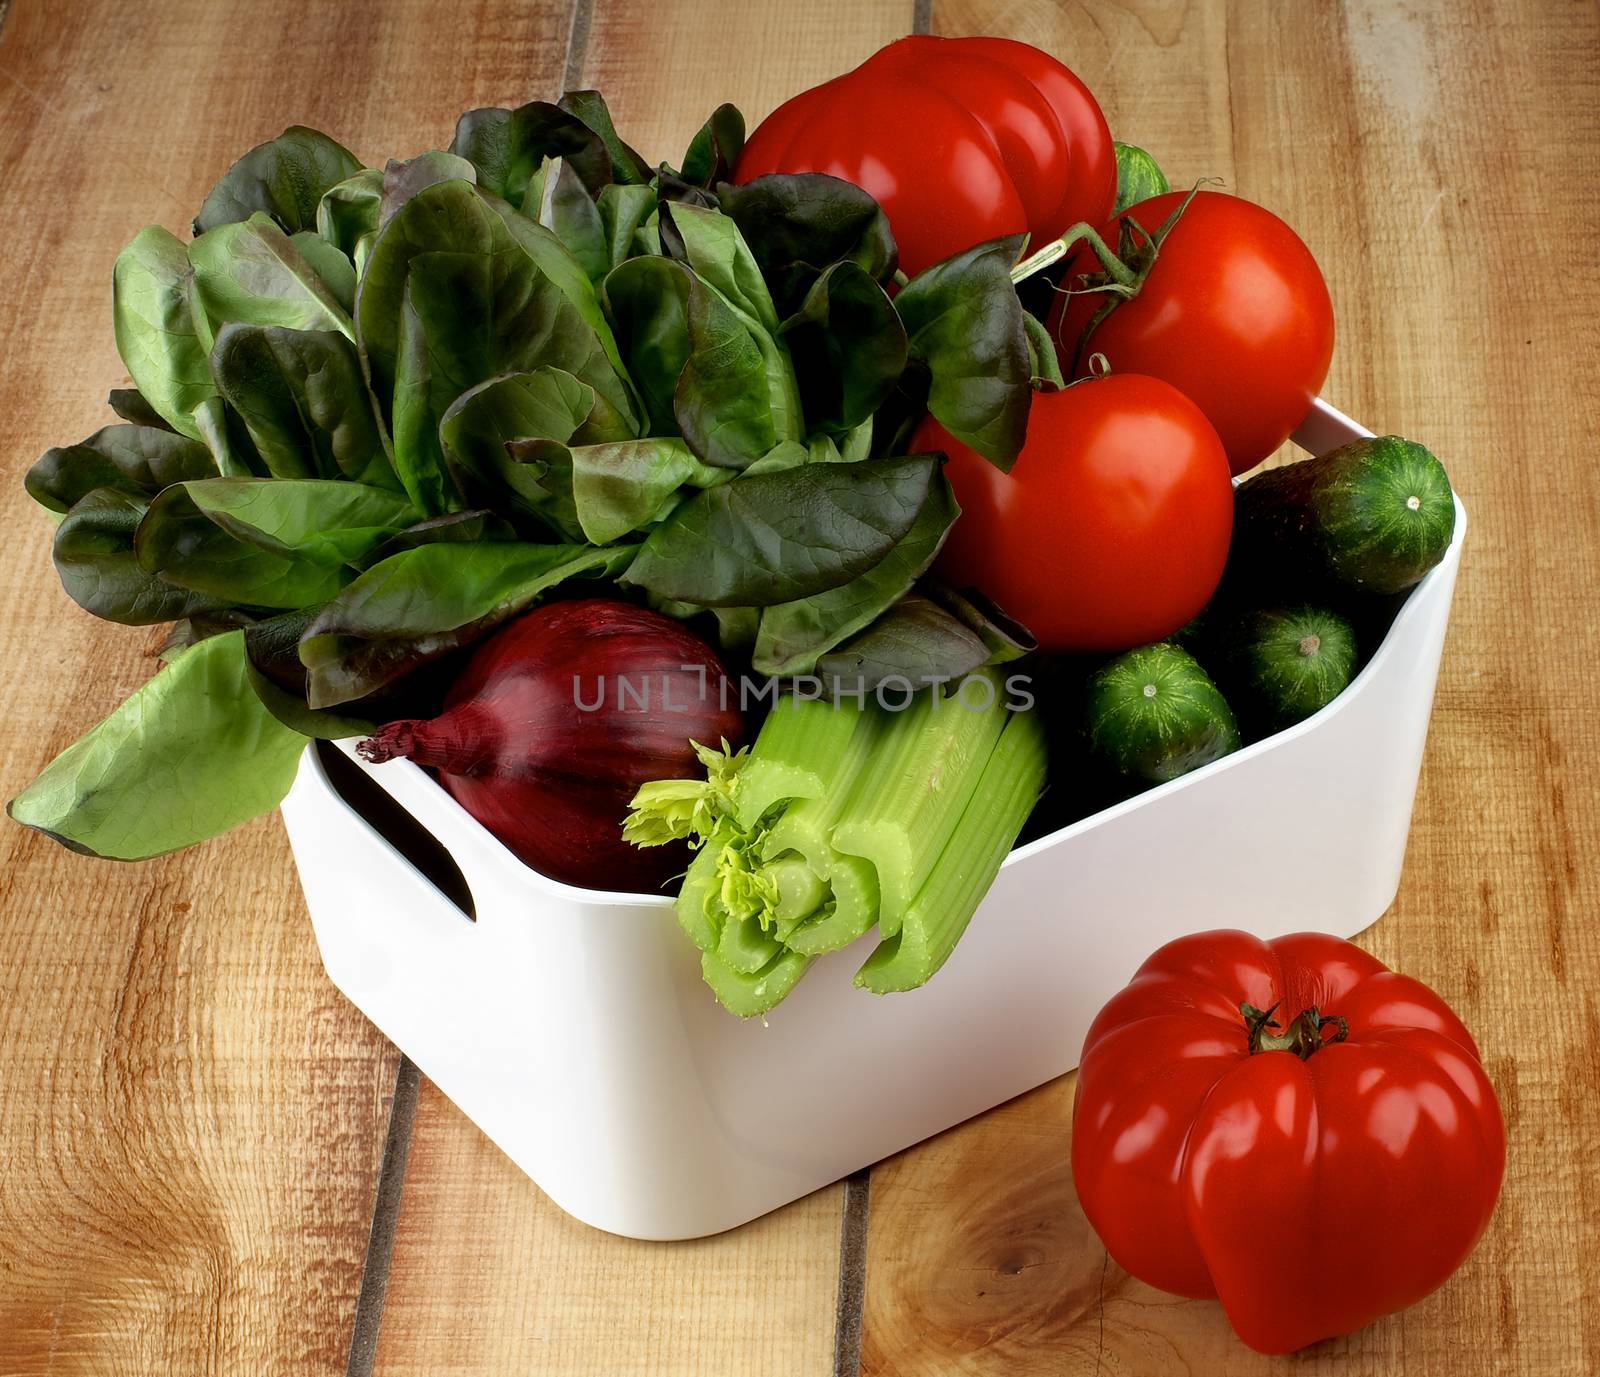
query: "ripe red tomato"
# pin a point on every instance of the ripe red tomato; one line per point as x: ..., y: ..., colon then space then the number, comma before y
x: 1112, y: 527
x: 960, y: 140
x: 1311, y: 1188
x: 1234, y: 313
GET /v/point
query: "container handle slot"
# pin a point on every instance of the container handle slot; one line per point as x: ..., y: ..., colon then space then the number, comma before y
x: 380, y: 811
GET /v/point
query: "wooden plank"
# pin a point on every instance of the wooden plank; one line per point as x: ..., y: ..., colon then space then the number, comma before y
x: 190, y: 1114
x: 488, y: 1275
x: 664, y: 68
x: 1409, y: 146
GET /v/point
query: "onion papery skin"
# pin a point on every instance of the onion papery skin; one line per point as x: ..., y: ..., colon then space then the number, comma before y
x: 555, y: 722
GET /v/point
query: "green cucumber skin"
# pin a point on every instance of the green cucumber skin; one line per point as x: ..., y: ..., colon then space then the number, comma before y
x: 1345, y: 519
x: 1153, y: 714
x: 1139, y: 177
x: 1281, y: 665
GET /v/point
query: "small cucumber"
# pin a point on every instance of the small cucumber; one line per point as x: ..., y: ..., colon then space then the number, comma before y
x: 1373, y: 516
x: 1139, y: 178
x: 1280, y: 665
x: 1153, y: 714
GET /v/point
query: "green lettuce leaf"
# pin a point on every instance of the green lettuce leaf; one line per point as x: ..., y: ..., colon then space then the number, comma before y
x: 423, y: 603
x: 189, y: 755
x: 286, y: 178
x: 302, y: 399
x: 252, y: 273
x: 162, y: 335
x: 128, y: 458
x: 778, y: 536
x: 793, y: 635
x: 95, y: 556
x: 963, y: 320
x: 322, y: 521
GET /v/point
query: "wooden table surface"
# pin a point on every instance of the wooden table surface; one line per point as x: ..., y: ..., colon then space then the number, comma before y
x: 210, y: 1163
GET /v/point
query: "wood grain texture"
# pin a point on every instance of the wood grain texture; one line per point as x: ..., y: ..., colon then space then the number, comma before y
x: 190, y: 1115
x: 665, y: 67
x: 1408, y: 145
x: 487, y: 1275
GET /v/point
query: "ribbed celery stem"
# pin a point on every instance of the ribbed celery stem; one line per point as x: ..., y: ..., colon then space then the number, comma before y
x: 848, y: 905
x: 1005, y: 794
x: 699, y: 915
x: 750, y: 941
x: 852, y: 908
x: 746, y: 946
x: 905, y: 808
x: 801, y: 893
x: 745, y: 994
x: 806, y: 824
x: 734, y: 903
x: 797, y: 755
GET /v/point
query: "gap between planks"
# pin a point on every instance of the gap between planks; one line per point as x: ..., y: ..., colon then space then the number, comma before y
x: 852, y: 1274
x: 858, y: 1187
x: 374, y: 1291
x: 577, y: 46
x: 385, y: 1214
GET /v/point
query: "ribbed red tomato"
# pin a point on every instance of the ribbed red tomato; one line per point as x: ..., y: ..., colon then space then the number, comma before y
x: 1234, y: 313
x: 1313, y: 1172
x: 960, y: 140
x: 1112, y: 527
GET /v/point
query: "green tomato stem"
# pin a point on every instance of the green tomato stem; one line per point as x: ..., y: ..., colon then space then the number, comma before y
x: 1057, y: 249
x: 1303, y: 1036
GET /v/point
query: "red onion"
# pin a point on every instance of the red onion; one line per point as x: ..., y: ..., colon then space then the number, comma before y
x: 558, y: 718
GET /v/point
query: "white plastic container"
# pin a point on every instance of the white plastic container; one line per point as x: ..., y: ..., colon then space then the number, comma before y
x: 573, y: 1026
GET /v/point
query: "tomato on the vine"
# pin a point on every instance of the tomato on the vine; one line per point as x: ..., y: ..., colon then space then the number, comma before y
x: 1112, y: 527
x: 1234, y: 313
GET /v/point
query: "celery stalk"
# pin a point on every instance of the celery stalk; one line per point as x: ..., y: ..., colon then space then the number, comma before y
x: 847, y: 904
x: 747, y: 995
x: 839, y: 818
x: 698, y: 914
x: 1005, y: 794
x: 904, y: 810
x: 801, y: 892
x: 853, y: 885
x: 806, y: 826
x: 746, y: 945
x: 802, y: 746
